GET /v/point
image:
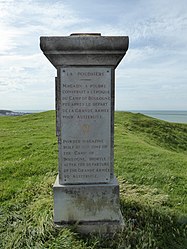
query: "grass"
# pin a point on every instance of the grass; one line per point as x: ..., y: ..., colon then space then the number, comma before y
x: 151, y: 165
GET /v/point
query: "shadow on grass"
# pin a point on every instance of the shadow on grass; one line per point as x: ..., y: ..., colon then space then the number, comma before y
x: 145, y: 228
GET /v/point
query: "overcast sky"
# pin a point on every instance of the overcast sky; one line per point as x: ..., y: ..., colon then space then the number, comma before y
x: 152, y: 75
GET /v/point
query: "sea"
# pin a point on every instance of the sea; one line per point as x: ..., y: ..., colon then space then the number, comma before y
x: 171, y: 116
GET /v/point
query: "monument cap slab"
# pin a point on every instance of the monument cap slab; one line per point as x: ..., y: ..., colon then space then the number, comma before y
x: 84, y: 49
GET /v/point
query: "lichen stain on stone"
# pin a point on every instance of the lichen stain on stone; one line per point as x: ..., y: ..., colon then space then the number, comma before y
x: 92, y: 205
x: 70, y: 216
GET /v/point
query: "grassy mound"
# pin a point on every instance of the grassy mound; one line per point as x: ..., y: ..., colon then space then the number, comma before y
x: 151, y: 165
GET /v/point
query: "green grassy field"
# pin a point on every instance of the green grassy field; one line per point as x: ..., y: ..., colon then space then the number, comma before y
x: 151, y: 165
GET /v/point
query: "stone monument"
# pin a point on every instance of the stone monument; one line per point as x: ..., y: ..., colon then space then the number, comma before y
x: 86, y: 192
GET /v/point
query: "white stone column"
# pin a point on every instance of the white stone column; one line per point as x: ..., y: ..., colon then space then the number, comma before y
x: 86, y: 192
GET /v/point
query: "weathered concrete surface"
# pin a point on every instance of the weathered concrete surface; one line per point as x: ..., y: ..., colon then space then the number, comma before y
x: 86, y: 192
x: 86, y: 206
x: 89, y: 50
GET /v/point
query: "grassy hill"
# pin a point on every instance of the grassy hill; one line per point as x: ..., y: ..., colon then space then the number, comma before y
x: 151, y: 165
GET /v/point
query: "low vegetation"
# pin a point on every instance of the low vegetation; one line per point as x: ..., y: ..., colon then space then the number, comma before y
x: 151, y: 165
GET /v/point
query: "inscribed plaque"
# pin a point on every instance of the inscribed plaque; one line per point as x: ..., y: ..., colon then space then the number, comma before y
x: 85, y: 124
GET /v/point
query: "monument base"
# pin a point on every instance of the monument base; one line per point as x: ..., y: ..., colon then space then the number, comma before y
x: 99, y: 227
x: 90, y: 208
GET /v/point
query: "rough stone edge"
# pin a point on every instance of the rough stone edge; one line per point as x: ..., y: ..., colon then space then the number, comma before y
x: 95, y: 227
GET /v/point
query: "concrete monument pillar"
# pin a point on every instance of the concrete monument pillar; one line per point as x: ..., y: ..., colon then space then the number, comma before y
x: 86, y: 192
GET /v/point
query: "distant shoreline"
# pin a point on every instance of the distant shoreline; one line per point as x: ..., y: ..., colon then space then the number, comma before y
x: 166, y: 115
x: 12, y: 113
x: 18, y: 112
x: 170, y: 116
